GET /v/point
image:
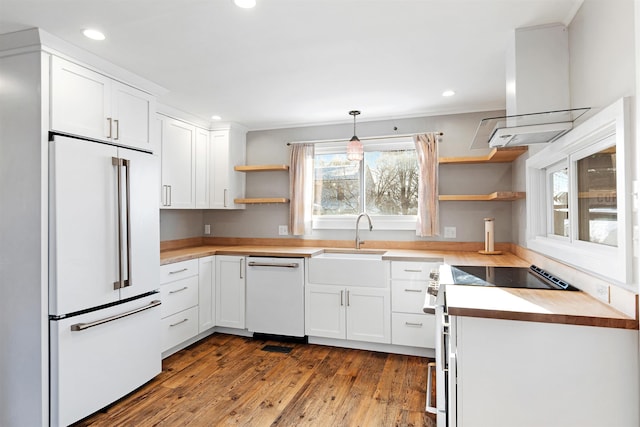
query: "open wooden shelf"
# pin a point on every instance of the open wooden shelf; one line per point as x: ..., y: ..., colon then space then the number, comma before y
x: 497, y: 155
x: 261, y: 168
x: 497, y: 196
x: 260, y: 200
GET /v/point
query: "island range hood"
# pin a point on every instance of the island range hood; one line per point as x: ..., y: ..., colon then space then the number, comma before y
x: 538, y: 99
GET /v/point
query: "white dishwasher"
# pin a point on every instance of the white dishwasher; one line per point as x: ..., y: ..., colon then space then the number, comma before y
x: 275, y: 296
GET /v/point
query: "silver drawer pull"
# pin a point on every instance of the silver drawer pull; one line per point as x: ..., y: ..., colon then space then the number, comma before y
x: 413, y: 324
x: 413, y: 290
x: 179, y: 290
x: 412, y: 271
x: 178, y: 271
x: 83, y: 326
x: 176, y: 324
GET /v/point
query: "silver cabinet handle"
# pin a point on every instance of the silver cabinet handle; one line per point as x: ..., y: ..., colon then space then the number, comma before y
x: 341, y: 298
x: 413, y: 290
x: 412, y: 271
x: 419, y: 325
x: 224, y: 197
x: 117, y: 122
x: 110, y: 124
x: 241, y: 267
x: 430, y: 408
x: 170, y: 195
x: 272, y: 264
x: 83, y: 326
x: 348, y: 304
x: 178, y: 323
x: 179, y: 290
x: 178, y: 271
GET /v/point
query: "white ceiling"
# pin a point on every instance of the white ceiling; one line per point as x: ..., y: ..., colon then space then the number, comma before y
x: 298, y: 62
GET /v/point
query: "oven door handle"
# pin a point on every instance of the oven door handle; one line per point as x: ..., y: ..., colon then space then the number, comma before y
x: 431, y: 408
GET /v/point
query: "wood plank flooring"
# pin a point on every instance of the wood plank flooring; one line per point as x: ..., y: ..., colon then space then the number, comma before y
x: 230, y: 380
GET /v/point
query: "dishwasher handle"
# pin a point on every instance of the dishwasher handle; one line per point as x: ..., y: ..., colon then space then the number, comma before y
x: 273, y: 264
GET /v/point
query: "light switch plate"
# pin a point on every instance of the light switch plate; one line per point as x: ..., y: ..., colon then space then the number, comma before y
x: 207, y: 229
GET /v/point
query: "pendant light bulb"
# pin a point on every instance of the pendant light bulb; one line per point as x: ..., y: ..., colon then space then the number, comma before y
x: 355, y: 150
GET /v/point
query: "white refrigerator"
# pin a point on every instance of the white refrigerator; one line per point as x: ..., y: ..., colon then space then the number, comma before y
x: 104, y: 312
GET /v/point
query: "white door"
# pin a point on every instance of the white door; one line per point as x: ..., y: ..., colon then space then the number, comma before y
x: 178, y: 165
x: 131, y: 111
x: 230, y: 291
x: 80, y: 100
x: 220, y: 195
x: 368, y: 315
x: 206, y: 293
x: 83, y: 225
x: 325, y: 311
x: 144, y: 175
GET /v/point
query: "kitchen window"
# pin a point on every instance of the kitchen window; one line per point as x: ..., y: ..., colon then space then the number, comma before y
x: 576, y: 209
x: 384, y: 184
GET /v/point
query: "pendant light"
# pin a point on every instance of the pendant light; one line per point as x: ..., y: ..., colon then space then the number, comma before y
x: 355, y: 150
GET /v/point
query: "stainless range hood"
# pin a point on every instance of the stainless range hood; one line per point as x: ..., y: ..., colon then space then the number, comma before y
x: 525, y: 129
x: 537, y: 88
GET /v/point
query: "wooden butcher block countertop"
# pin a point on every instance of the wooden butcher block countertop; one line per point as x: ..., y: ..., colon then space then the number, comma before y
x: 535, y: 305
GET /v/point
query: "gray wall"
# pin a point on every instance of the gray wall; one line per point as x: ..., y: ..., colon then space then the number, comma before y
x: 269, y: 146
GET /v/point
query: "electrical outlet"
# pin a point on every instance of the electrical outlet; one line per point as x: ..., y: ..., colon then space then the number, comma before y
x: 207, y: 229
x: 449, y: 232
x: 283, y: 230
x: 602, y: 293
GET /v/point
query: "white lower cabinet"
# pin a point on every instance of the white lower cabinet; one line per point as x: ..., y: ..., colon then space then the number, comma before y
x: 179, y: 309
x: 410, y: 326
x: 230, y: 291
x: 505, y: 373
x: 206, y: 293
x: 354, y: 313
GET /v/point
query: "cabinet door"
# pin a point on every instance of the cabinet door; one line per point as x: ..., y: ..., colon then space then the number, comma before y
x: 230, y: 292
x: 178, y: 166
x: 131, y: 111
x: 80, y: 100
x: 368, y: 315
x: 206, y: 294
x: 227, y: 150
x: 202, y: 157
x: 325, y: 311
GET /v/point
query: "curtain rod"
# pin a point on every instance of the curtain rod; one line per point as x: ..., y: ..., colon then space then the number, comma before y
x: 322, y: 141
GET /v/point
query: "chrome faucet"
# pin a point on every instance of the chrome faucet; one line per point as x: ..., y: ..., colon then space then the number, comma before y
x: 358, y: 242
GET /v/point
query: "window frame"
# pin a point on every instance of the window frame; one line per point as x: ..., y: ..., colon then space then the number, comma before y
x: 381, y: 222
x: 611, y: 126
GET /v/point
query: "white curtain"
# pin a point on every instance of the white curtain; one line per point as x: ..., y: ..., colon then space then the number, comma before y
x: 301, y: 189
x: 428, y: 207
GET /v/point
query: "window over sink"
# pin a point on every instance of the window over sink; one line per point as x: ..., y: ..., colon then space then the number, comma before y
x: 577, y: 211
x: 384, y: 184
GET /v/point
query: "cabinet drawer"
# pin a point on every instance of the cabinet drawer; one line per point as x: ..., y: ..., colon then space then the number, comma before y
x: 409, y: 297
x: 178, y: 270
x: 415, y: 330
x: 179, y: 328
x: 179, y: 295
x: 412, y: 270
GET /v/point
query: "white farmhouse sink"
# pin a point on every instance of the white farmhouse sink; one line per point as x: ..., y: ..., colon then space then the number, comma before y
x: 350, y: 268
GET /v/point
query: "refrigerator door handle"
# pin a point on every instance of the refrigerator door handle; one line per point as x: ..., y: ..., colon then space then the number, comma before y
x: 127, y: 164
x: 83, y: 326
x: 118, y: 163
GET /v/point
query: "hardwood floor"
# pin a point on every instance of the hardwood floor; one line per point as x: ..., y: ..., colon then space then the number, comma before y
x: 230, y: 380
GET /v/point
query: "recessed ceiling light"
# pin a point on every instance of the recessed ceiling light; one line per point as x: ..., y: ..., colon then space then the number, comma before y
x: 216, y: 118
x: 448, y: 93
x: 245, y: 4
x: 93, y: 34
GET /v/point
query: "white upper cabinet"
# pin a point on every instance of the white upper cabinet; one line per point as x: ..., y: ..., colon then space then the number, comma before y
x: 228, y: 148
x: 202, y: 169
x: 92, y: 105
x: 178, y: 164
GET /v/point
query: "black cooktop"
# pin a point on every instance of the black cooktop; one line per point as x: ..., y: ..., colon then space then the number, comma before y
x: 508, y: 277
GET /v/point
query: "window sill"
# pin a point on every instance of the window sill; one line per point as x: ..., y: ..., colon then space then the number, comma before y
x: 348, y: 222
